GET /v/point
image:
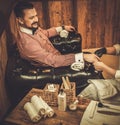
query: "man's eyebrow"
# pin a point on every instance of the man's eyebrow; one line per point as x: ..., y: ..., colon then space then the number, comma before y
x: 33, y: 16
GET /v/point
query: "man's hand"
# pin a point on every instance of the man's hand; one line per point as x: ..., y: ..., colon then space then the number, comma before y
x: 91, y: 58
x: 100, y: 51
x: 69, y: 28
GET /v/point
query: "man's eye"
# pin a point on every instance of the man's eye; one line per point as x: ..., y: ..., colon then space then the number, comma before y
x: 31, y: 18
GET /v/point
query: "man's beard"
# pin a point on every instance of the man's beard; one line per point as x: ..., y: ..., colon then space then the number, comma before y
x: 34, y: 28
x: 33, y: 25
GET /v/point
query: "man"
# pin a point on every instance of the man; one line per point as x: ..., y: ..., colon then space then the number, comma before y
x: 33, y: 42
x: 107, y: 90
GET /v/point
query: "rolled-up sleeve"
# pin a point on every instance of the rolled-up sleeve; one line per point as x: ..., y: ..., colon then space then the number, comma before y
x: 117, y: 75
x: 50, y: 32
x: 117, y: 47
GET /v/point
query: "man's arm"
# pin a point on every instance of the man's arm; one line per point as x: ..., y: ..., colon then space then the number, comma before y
x: 114, y: 50
x: 117, y: 74
x: 117, y: 48
x: 100, y: 66
x: 111, y: 50
x: 56, y: 30
x: 36, y: 53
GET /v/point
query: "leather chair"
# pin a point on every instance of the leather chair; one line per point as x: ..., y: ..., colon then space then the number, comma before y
x: 21, y: 76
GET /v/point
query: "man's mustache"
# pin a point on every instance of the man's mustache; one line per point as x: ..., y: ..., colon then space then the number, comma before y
x: 34, y: 23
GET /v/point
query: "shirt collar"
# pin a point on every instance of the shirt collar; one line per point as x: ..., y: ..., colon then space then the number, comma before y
x: 26, y: 30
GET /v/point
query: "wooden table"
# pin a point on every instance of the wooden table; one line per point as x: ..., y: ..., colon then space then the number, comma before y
x: 19, y: 117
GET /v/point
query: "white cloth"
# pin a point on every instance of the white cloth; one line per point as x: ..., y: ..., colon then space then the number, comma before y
x: 104, y: 87
x: 103, y: 90
x: 117, y: 47
x: 92, y: 116
x: 48, y: 110
x: 33, y: 114
x: 117, y: 75
x: 35, y: 100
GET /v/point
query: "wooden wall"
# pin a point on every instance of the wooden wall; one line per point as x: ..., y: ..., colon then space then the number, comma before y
x: 97, y: 20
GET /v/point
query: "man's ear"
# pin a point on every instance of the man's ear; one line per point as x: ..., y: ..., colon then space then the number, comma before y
x: 20, y: 20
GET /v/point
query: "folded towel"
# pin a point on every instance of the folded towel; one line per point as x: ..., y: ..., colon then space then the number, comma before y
x: 100, y: 118
x: 31, y: 111
x: 104, y: 87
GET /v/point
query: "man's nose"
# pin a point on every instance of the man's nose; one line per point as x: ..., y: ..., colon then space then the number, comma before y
x: 36, y: 19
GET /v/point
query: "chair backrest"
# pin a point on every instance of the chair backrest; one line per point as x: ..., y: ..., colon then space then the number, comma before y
x: 71, y: 44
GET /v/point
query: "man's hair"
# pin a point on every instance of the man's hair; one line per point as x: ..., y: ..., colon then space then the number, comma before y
x: 20, y: 7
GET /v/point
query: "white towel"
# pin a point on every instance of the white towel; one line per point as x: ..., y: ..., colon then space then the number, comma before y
x: 35, y: 100
x: 31, y: 111
x: 99, y: 118
x: 48, y: 110
x: 104, y: 87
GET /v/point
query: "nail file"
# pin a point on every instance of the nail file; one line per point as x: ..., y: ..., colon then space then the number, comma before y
x: 65, y: 83
x: 68, y: 81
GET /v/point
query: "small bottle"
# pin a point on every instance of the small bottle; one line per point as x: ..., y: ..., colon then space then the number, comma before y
x: 62, y: 101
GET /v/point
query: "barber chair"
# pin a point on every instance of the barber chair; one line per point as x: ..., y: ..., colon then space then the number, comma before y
x: 21, y: 76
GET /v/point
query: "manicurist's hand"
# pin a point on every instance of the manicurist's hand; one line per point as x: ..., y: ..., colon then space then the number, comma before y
x: 91, y: 58
x: 99, y: 66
